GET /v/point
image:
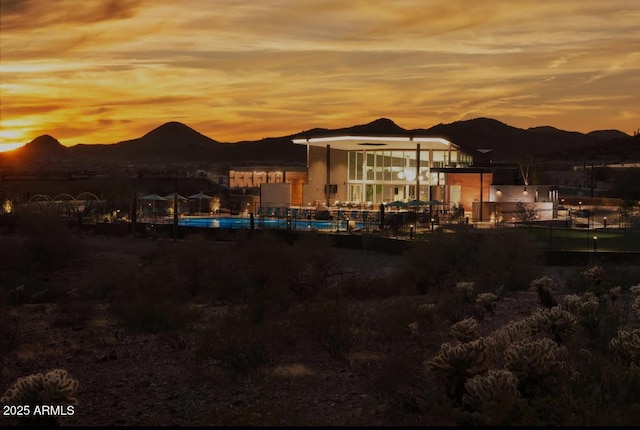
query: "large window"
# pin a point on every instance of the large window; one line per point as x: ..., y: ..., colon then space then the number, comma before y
x: 385, y: 176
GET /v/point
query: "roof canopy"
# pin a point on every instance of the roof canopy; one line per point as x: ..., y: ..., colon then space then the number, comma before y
x: 360, y: 143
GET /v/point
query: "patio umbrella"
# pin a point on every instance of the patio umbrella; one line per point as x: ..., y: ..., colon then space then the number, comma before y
x: 416, y: 203
x: 434, y: 203
x: 397, y: 204
x: 200, y: 197
x: 173, y: 196
x: 153, y: 198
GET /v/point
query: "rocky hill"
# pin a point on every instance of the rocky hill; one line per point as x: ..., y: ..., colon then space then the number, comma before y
x: 489, y: 140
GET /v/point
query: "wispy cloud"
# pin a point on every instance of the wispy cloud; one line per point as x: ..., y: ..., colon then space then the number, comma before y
x: 108, y: 70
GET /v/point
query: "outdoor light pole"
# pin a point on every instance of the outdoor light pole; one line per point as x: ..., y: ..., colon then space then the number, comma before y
x: 605, y: 222
x: 595, y: 244
x: 432, y: 221
x: 411, y: 231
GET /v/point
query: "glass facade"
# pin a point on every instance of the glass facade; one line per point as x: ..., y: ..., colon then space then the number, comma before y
x: 386, y: 176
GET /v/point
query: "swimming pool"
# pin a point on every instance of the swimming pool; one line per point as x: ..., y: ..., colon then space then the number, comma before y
x: 273, y: 223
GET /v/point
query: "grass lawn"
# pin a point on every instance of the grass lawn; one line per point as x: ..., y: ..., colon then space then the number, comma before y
x: 608, y: 240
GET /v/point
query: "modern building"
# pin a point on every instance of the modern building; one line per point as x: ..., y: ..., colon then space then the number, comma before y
x: 383, y: 169
x: 371, y: 170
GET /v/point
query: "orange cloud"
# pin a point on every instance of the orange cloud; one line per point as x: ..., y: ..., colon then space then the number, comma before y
x: 105, y: 71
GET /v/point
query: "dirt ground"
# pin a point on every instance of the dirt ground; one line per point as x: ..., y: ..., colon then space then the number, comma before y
x: 128, y: 378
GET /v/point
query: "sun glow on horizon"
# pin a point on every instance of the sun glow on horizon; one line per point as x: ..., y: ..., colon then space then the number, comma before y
x: 5, y: 147
x: 104, y: 72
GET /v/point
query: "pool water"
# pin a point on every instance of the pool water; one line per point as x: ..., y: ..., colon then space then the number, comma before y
x: 274, y: 223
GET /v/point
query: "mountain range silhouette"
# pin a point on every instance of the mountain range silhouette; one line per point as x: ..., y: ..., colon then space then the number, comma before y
x: 175, y: 142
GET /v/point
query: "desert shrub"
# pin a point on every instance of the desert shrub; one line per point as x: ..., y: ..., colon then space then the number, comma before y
x: 9, y: 334
x: 328, y: 325
x: 437, y: 264
x: 321, y: 265
x: 190, y: 259
x: 260, y: 270
x: 111, y: 273
x: 508, y: 257
x: 49, y: 242
x: 13, y: 256
x: 359, y: 287
x: 237, y: 344
x: 621, y: 274
x: 408, y: 389
x: 74, y: 312
x: 398, y: 321
x: 155, y: 301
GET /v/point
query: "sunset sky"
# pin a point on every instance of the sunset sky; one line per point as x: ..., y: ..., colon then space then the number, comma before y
x: 103, y: 71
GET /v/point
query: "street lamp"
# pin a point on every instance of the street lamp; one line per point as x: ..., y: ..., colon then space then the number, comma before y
x: 432, y: 221
x: 605, y: 222
x: 411, y: 231
x: 595, y: 244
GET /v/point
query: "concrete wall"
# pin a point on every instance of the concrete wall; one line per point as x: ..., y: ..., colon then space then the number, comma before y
x: 506, y: 211
x: 313, y: 191
x: 275, y: 195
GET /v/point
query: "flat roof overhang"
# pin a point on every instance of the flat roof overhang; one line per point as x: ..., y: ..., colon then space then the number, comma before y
x: 379, y: 143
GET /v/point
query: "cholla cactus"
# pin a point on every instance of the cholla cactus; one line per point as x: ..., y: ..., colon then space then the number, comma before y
x: 544, y: 288
x: 572, y: 302
x: 635, y: 290
x: 593, y: 275
x: 53, y: 387
x: 464, y: 291
x: 491, y: 398
x: 465, y: 330
x: 557, y: 323
x: 459, y: 363
x: 427, y: 311
x: 614, y: 294
x: 414, y: 329
x: 511, y: 333
x: 534, y: 361
x: 636, y: 306
x: 627, y: 346
x: 488, y: 301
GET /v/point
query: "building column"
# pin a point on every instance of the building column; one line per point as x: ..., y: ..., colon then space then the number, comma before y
x: 328, y: 185
x: 417, y: 171
x: 480, y: 197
